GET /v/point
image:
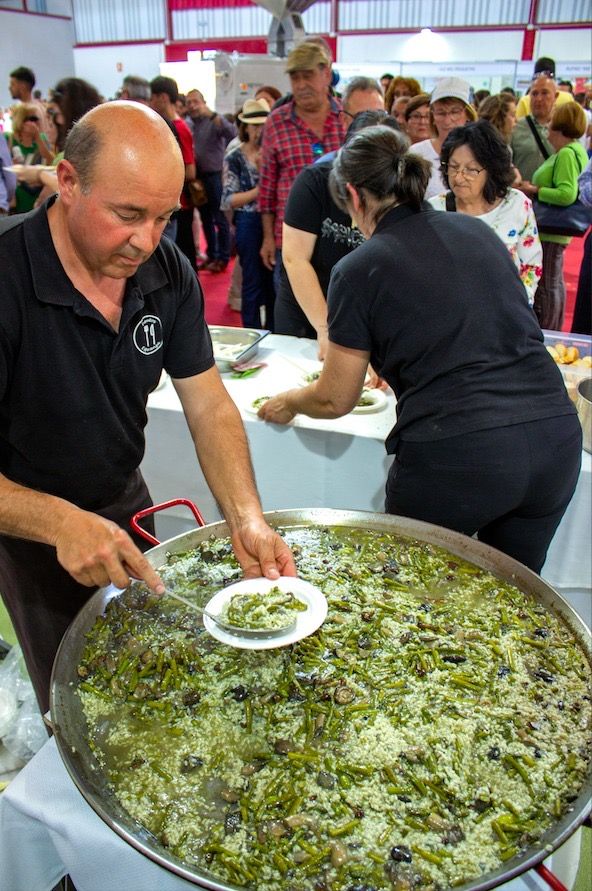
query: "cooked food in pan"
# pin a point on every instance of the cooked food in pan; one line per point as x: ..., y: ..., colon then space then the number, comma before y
x: 272, y: 610
x: 434, y: 727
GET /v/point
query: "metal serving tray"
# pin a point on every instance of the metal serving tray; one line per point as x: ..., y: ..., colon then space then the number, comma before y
x: 232, y: 345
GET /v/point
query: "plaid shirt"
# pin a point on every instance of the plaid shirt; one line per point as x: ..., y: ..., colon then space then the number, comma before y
x: 288, y: 146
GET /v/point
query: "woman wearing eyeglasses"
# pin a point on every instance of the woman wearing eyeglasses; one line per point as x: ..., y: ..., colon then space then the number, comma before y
x: 477, y: 169
x: 418, y: 119
x: 29, y: 146
x: 486, y: 439
x: 450, y: 107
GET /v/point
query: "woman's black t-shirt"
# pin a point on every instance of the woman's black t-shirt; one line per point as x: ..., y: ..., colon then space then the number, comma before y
x: 311, y: 209
x: 437, y: 302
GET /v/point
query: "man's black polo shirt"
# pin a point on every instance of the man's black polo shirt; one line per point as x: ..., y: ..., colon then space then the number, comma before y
x: 73, y: 391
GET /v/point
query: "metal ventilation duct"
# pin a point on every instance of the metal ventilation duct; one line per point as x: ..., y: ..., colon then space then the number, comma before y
x: 287, y: 29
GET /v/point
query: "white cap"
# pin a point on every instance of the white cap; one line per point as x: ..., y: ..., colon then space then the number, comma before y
x: 452, y: 88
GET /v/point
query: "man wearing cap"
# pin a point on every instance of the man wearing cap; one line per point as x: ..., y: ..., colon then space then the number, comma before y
x: 295, y: 134
x: 450, y: 107
x: 530, y: 145
x: 211, y: 134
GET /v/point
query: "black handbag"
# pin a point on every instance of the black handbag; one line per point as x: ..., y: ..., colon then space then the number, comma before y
x: 554, y: 219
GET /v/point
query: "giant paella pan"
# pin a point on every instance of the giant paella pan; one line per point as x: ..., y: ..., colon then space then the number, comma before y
x: 433, y: 733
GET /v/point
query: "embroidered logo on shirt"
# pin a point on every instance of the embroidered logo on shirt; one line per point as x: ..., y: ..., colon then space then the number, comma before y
x: 148, y: 335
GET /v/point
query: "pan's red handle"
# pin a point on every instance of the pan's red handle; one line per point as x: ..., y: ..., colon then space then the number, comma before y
x: 548, y: 877
x: 163, y: 506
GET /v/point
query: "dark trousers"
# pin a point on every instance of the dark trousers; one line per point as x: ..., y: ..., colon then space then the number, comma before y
x: 549, y: 298
x: 257, y: 287
x: 214, y: 222
x: 582, y: 318
x: 42, y: 598
x: 184, y: 239
x: 510, y: 485
x: 290, y: 319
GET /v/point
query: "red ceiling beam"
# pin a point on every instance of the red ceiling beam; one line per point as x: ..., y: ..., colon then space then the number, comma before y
x: 529, y: 35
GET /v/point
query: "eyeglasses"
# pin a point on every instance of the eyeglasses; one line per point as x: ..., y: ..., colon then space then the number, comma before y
x: 467, y: 172
x: 418, y: 117
x: 455, y: 114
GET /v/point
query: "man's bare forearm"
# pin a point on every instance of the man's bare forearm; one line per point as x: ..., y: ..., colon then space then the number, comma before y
x: 226, y: 464
x: 307, y: 291
x: 220, y: 444
x: 26, y: 513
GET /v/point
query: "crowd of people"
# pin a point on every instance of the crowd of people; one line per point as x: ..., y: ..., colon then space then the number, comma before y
x: 247, y: 167
x: 394, y: 226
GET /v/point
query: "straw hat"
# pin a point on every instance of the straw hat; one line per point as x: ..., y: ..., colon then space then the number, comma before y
x: 254, y: 111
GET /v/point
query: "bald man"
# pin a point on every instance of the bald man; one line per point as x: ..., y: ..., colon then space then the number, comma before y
x: 529, y: 141
x: 95, y: 305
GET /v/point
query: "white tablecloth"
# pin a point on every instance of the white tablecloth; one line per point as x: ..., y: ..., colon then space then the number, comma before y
x: 47, y: 830
x: 315, y: 463
x: 46, y: 827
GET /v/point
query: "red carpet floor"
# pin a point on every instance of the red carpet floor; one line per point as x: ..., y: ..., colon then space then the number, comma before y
x: 218, y: 312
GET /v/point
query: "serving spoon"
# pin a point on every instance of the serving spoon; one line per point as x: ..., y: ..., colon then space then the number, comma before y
x: 251, y: 633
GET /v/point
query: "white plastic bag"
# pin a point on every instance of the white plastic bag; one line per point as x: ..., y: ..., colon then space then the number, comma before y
x: 21, y: 726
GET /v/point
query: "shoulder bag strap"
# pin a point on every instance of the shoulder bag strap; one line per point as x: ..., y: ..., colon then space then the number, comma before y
x: 537, y: 137
x: 577, y: 154
x: 577, y: 159
x: 450, y: 201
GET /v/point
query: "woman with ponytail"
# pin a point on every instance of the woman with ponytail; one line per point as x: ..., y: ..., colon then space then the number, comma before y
x: 486, y: 440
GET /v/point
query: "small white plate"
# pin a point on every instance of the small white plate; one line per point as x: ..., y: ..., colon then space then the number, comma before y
x: 306, y: 622
x: 250, y: 408
x: 18, y: 168
x: 378, y: 402
x: 314, y: 373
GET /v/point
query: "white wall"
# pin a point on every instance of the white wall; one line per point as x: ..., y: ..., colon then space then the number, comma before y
x: 106, y: 66
x: 570, y: 43
x: 573, y: 44
x: 469, y: 55
x: 41, y: 43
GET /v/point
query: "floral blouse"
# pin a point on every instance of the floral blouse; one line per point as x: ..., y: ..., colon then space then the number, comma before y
x: 238, y: 175
x: 514, y: 221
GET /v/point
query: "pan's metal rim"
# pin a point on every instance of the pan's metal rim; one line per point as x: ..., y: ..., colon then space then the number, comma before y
x: 81, y: 764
